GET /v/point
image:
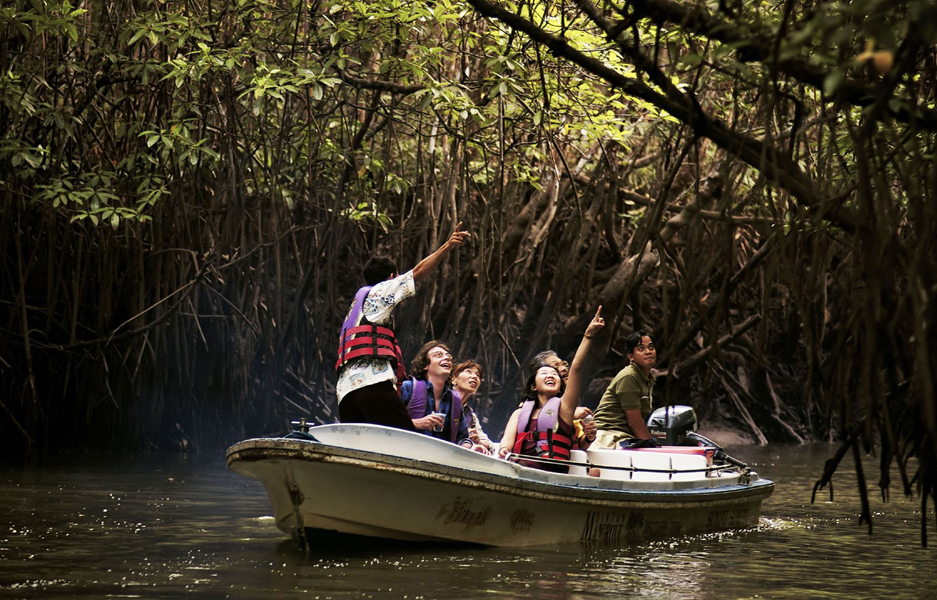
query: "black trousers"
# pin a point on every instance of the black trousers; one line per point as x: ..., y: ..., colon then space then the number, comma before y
x: 378, y: 404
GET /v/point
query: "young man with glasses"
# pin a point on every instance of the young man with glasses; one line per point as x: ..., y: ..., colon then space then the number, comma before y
x: 435, y: 408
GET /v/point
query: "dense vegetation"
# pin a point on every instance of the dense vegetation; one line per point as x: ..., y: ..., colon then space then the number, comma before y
x: 190, y: 188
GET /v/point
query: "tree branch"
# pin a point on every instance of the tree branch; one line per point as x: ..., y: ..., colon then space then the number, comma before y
x: 758, y: 46
x: 775, y: 165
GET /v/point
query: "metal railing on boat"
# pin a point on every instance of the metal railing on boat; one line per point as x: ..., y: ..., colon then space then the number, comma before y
x: 570, y: 463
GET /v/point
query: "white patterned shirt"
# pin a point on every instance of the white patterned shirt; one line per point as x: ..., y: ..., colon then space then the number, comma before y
x: 378, y: 305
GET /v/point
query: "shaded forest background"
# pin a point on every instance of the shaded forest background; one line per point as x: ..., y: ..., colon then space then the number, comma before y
x: 189, y: 190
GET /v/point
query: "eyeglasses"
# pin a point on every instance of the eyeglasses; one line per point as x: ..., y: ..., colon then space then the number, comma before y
x: 439, y: 354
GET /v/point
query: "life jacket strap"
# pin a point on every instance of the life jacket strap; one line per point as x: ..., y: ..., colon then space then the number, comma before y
x: 388, y: 353
x: 370, y: 330
x: 370, y: 340
x: 525, y: 438
x: 557, y: 445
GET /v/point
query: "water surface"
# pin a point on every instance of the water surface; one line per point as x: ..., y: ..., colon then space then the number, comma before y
x: 173, y: 527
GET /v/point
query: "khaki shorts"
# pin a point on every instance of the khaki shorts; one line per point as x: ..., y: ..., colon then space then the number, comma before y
x: 609, y: 438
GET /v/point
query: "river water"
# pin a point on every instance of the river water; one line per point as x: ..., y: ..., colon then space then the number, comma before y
x: 173, y: 527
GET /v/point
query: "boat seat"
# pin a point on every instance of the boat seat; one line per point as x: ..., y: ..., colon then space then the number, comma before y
x: 673, y: 450
x: 689, y: 467
x: 648, y: 464
x: 611, y: 458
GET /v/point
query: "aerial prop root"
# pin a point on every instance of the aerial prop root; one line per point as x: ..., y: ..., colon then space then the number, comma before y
x: 829, y: 468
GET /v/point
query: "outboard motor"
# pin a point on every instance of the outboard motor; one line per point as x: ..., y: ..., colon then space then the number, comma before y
x: 669, y: 425
x: 676, y: 426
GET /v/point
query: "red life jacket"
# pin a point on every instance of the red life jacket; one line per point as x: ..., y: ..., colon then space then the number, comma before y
x: 546, y: 441
x: 362, y: 339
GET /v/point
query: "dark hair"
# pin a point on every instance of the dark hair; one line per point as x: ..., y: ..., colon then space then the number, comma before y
x: 632, y: 341
x: 539, y: 360
x: 529, y: 394
x: 465, y: 365
x: 421, y: 360
x: 378, y: 269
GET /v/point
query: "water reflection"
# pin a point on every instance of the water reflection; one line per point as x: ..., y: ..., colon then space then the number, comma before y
x: 164, y: 528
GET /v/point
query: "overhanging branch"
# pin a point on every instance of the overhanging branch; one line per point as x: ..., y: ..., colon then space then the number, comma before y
x: 694, y: 18
x: 775, y: 165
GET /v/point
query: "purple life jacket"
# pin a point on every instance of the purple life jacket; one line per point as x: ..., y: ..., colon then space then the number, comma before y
x: 546, y: 441
x: 361, y: 338
x: 419, y: 407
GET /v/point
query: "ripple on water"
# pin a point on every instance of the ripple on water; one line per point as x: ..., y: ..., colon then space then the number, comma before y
x: 167, y: 529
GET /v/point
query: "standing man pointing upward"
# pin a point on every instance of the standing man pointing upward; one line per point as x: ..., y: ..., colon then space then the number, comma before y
x: 369, y: 360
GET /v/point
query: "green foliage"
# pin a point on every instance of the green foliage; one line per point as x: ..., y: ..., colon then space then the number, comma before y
x: 170, y: 94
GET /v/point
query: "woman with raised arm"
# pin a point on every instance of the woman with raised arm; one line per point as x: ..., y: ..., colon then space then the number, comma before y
x: 543, y: 425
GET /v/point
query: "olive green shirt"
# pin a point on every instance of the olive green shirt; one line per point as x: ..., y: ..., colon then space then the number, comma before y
x: 630, y: 390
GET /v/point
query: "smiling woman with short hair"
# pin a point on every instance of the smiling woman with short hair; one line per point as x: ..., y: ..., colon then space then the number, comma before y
x: 466, y: 377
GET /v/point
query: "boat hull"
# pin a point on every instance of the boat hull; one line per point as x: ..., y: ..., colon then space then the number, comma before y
x: 466, y: 497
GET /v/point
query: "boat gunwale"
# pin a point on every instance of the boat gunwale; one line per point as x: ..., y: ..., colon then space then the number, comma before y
x: 258, y: 449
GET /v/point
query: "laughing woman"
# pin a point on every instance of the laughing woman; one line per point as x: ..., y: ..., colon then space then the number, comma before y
x: 543, y: 425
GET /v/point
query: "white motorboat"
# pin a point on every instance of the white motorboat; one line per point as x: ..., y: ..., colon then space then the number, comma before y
x: 370, y: 480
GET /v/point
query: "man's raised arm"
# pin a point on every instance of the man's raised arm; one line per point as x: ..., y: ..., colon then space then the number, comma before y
x: 425, y: 267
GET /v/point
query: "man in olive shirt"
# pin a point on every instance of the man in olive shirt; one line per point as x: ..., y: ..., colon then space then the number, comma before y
x: 626, y: 404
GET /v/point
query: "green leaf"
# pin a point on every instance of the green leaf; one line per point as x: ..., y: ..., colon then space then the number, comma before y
x: 136, y: 37
x: 691, y: 59
x: 832, y: 81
